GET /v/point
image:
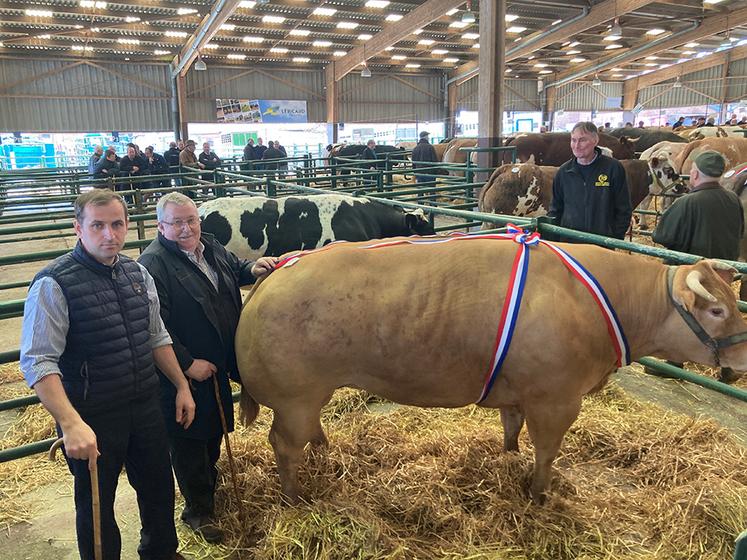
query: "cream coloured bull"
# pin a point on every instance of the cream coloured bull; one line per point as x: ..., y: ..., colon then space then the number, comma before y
x: 417, y: 324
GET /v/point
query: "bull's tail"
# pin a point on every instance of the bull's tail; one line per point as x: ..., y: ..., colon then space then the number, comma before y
x: 249, y: 409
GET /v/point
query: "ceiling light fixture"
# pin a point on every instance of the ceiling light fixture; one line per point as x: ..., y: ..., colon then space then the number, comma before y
x: 470, y: 36
x: 468, y: 17
x: 324, y: 11
x: 253, y: 39
x: 339, y: 53
x: 236, y: 56
x: 247, y: 4
x: 303, y: 59
x: 656, y: 31
x: 596, y: 82
x: 278, y: 50
x: 364, y: 37
x: 347, y: 25
x: 615, y: 30
x: 200, y: 65
x: 412, y: 65
x: 299, y: 32
x: 394, y: 17
x: 613, y: 46
x: 380, y: 4
x: 516, y: 29
x: 677, y: 83
x: 273, y: 19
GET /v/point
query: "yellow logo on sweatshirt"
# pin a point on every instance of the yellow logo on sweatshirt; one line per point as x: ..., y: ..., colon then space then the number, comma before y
x: 602, y: 181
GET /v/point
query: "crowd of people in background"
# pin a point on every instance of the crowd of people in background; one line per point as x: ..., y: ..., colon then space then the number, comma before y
x: 105, y: 164
x: 696, y: 122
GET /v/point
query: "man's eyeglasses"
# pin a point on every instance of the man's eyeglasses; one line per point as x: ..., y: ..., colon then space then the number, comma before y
x: 179, y: 224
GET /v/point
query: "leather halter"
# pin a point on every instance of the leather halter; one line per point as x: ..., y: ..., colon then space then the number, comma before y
x: 713, y: 344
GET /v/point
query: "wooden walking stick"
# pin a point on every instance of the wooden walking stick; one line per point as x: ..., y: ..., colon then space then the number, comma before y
x: 97, y: 551
x: 242, y: 511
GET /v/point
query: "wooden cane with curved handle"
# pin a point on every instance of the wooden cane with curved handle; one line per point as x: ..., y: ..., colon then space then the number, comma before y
x: 97, y: 550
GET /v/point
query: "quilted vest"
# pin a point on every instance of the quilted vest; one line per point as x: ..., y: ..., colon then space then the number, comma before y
x: 107, y: 359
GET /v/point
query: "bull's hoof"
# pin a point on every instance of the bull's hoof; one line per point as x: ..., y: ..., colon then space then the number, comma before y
x: 728, y: 375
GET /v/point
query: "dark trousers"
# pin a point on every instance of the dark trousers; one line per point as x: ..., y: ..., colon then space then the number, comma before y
x: 194, y: 462
x: 132, y: 435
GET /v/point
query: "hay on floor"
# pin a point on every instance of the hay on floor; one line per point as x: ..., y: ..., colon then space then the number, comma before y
x: 632, y: 481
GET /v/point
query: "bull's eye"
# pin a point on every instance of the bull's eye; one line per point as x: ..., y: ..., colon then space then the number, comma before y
x: 717, y: 311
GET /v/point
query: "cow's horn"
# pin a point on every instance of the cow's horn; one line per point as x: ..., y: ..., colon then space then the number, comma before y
x: 722, y: 266
x: 692, y: 280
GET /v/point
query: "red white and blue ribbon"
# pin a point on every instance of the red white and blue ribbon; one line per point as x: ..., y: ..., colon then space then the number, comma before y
x: 517, y: 280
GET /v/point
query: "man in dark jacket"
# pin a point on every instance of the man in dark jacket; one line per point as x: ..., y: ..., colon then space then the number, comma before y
x: 198, y: 287
x: 708, y: 221
x: 106, y: 167
x: 423, y: 155
x: 249, y: 153
x: 271, y: 153
x: 283, y: 165
x: 91, y: 338
x: 590, y: 192
x: 679, y: 124
x: 157, y: 165
x: 172, y: 157
x: 369, y: 153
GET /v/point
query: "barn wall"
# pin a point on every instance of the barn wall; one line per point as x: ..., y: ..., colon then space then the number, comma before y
x: 392, y: 98
x: 82, y: 96
x: 242, y: 82
x: 519, y: 95
x: 698, y: 88
x: 582, y: 96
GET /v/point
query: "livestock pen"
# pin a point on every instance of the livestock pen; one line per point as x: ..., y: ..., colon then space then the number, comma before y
x: 634, y: 479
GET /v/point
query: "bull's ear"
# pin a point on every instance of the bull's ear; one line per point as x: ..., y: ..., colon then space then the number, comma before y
x: 530, y: 159
x: 681, y: 293
x: 725, y: 271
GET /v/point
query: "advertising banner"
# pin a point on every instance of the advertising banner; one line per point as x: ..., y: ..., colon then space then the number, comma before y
x: 261, y: 111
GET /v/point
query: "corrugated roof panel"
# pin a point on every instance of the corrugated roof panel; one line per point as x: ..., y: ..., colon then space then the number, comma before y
x: 582, y: 96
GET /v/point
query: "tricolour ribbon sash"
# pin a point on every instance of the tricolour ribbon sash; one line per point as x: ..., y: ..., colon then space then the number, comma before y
x: 514, y: 292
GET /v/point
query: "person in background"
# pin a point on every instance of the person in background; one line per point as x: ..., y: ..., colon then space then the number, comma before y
x: 260, y: 149
x: 271, y: 153
x: 679, y: 124
x: 209, y: 161
x: 106, y: 167
x: 283, y: 165
x: 628, y: 124
x: 590, y: 191
x: 98, y: 152
x: 708, y: 222
x: 172, y: 157
x: 710, y: 122
x: 640, y: 124
x: 180, y: 145
x: 133, y: 164
x: 743, y: 120
x: 198, y: 288
x: 187, y: 158
x: 157, y: 165
x: 733, y: 120
x: 91, y: 339
x: 423, y: 155
x: 249, y: 154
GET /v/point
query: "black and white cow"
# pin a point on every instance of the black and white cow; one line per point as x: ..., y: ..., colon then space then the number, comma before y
x: 252, y: 227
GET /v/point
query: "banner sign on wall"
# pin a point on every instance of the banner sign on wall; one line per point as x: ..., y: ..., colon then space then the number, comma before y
x: 261, y: 111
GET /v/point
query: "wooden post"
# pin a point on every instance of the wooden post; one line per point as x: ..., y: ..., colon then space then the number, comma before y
x: 181, y: 100
x: 452, y: 92
x: 332, y: 104
x: 490, y: 85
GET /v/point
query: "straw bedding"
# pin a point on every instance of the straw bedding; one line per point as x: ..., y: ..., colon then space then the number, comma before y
x: 632, y: 481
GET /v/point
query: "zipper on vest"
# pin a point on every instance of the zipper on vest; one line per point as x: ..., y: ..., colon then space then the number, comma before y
x: 126, y: 322
x: 84, y: 375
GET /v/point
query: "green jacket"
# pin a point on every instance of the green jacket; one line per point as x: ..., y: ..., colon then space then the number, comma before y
x: 708, y: 222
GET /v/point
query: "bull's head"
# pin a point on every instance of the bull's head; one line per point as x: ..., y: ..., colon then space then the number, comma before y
x: 666, y: 178
x: 706, y: 324
x: 417, y: 223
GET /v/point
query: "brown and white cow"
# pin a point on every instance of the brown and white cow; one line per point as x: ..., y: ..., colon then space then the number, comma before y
x: 525, y: 189
x: 416, y: 324
x: 554, y: 148
x: 734, y: 151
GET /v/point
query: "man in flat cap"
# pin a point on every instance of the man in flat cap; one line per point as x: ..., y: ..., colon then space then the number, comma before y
x: 708, y: 221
